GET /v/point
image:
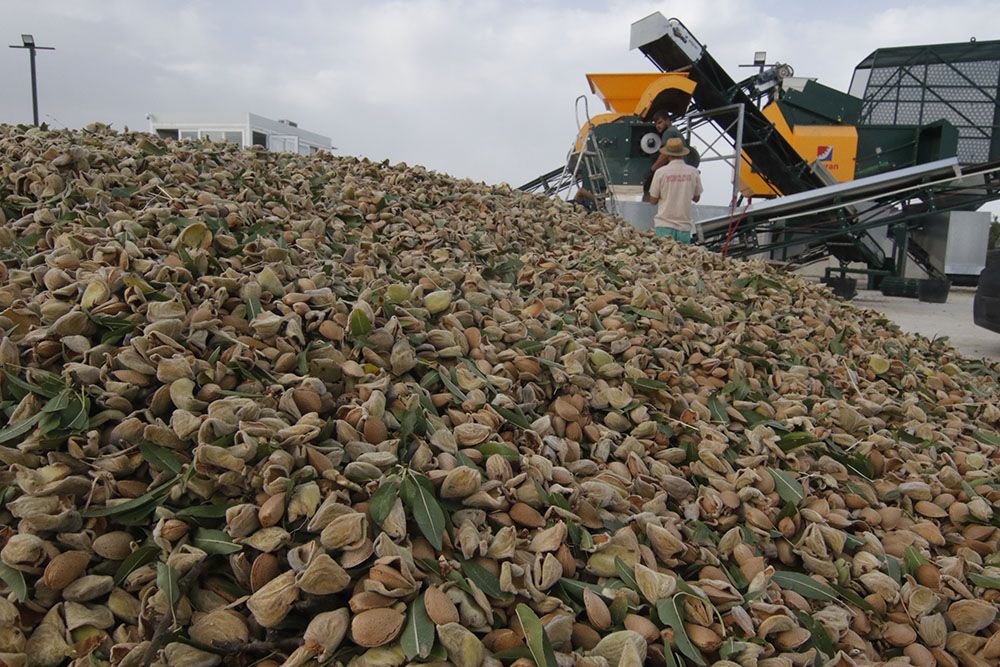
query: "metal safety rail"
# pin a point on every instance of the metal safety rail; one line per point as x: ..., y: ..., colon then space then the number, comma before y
x: 670, y: 46
x: 838, y: 220
x: 547, y: 184
x: 584, y: 168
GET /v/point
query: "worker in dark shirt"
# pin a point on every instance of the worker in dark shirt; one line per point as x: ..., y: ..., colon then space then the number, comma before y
x: 666, y: 130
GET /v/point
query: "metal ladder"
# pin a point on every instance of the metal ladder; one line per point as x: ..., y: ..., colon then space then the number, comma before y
x: 594, y: 168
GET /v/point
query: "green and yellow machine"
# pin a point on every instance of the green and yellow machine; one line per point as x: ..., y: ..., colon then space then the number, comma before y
x: 915, y: 139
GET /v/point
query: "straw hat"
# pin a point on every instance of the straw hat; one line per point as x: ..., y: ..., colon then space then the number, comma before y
x: 675, y: 148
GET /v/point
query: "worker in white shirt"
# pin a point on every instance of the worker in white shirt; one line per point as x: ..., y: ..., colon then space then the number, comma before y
x: 674, y: 188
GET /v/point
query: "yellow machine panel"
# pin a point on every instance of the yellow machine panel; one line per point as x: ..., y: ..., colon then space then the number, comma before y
x: 835, y: 146
x: 599, y: 119
x: 639, y: 94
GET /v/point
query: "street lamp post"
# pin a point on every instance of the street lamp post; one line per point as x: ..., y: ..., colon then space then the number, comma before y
x: 28, y: 42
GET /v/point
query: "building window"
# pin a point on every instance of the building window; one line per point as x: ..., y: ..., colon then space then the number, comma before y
x: 282, y: 143
x: 219, y: 135
x: 189, y: 134
x: 260, y: 139
x: 166, y: 133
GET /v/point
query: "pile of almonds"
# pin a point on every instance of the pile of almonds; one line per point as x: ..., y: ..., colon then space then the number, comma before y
x: 264, y: 409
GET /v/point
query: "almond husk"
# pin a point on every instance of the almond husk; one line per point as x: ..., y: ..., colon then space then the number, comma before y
x: 64, y: 569
x: 440, y: 609
x: 376, y: 627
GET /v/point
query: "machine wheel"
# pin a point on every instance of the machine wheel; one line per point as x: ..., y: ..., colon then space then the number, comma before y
x: 934, y: 290
x: 845, y: 288
x: 986, y: 306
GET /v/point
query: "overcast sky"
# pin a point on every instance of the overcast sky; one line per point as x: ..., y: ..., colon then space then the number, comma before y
x: 482, y: 90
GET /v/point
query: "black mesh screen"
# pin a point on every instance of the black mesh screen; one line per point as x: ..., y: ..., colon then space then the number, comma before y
x: 928, y: 88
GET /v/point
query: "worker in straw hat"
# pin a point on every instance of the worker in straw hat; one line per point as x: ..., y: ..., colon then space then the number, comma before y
x: 673, y: 189
x: 665, y: 128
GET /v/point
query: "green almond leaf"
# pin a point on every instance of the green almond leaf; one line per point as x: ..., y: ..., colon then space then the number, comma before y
x: 983, y: 580
x: 380, y: 504
x: 429, y: 380
x: 651, y: 314
x: 530, y: 346
x: 819, y: 637
x: 893, y: 569
x: 438, y: 654
x: 124, y: 193
x: 794, y: 440
x: 450, y: 384
x: 971, y: 492
x: 787, y: 511
x: 559, y: 500
x: 147, y: 500
x: 418, y: 636
x: 408, y: 424
x: 516, y: 418
x: 787, y: 486
x: 626, y: 574
x: 58, y: 402
x: 668, y: 609
x: 668, y: 656
x: 76, y: 417
x: 19, y: 429
x: 160, y: 457
x: 852, y: 543
x: 254, y: 308
x: 738, y: 388
x: 567, y: 599
x: 731, y: 647
x: 855, y: 599
x: 618, y: 609
x: 718, y: 410
x: 837, y: 344
x: 14, y: 579
x: 490, y: 448
x: 737, y: 577
x: 426, y: 510
x: 535, y: 637
x: 135, y: 560
x: 464, y: 460
x: 166, y: 581
x: 804, y: 585
x: 690, y: 312
x: 457, y: 577
x: 27, y: 386
x: 214, y: 510
x: 48, y: 423
x: 213, y: 541
x: 512, y: 654
x: 360, y: 325
x: 987, y: 438
x: 149, y: 148
x: 575, y: 587
x: 647, y: 383
x: 912, y: 559
x: 486, y: 581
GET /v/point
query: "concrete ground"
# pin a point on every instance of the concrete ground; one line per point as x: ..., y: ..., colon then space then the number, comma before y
x: 952, y: 319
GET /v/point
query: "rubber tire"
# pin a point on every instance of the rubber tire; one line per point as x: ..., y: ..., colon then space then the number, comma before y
x: 933, y: 290
x: 986, y: 306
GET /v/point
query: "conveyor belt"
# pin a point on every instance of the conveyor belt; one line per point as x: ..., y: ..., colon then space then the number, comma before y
x: 546, y: 184
x: 839, y: 220
x: 671, y: 47
x: 831, y: 197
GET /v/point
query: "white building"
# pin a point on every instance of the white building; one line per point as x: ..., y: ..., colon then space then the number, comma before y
x: 244, y: 129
